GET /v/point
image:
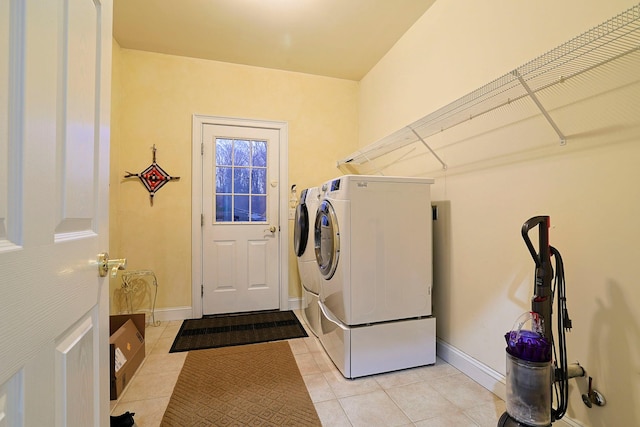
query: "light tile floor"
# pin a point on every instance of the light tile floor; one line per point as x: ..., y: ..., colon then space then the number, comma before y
x: 430, y: 396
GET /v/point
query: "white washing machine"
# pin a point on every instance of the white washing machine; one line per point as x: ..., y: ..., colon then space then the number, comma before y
x: 373, y: 245
x: 303, y: 247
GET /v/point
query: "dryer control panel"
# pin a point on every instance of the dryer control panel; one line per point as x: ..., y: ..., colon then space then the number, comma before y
x: 331, y: 186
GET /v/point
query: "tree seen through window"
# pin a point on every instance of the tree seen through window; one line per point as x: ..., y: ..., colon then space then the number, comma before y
x: 240, y: 180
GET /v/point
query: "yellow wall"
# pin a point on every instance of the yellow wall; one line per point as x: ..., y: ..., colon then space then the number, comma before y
x: 509, y: 166
x: 155, y: 97
x: 503, y: 170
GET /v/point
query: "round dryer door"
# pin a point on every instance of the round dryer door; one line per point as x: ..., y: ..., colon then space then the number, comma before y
x: 301, y: 229
x: 327, y: 240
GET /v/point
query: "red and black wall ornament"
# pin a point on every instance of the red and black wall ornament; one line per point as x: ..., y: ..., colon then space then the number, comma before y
x: 153, y: 177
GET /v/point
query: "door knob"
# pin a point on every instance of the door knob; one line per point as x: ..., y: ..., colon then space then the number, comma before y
x: 104, y: 264
x: 271, y: 229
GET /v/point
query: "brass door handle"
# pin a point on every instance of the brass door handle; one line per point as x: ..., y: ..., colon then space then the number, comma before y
x: 271, y: 229
x: 104, y: 264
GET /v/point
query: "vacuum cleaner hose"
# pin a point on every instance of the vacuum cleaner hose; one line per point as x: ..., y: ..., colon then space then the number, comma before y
x: 564, y: 323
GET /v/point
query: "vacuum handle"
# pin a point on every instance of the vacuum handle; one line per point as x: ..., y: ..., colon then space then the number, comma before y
x: 526, y: 227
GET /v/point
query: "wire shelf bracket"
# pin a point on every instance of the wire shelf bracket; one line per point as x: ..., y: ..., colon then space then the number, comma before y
x: 534, y: 98
x: 444, y: 165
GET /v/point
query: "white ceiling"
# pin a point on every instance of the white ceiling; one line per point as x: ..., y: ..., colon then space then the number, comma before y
x: 334, y: 38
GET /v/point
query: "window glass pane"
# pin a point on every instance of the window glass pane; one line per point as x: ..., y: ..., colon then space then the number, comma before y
x: 258, y: 181
x: 258, y: 208
x: 224, y: 151
x: 241, y: 180
x: 241, y: 208
x: 223, y: 180
x: 241, y: 153
x: 223, y: 208
x: 259, y: 153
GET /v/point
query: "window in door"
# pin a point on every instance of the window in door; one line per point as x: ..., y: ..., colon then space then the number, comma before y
x: 240, y: 180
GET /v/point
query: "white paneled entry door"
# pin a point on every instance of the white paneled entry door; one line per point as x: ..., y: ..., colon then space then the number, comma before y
x: 240, y: 231
x: 55, y: 81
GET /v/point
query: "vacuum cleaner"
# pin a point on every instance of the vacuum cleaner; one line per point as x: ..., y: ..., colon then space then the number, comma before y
x: 536, y: 362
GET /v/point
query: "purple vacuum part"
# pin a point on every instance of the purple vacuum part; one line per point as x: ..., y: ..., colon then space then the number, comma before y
x: 528, y: 345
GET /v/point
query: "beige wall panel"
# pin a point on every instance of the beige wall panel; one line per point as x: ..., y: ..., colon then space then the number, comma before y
x: 509, y: 166
x: 155, y: 97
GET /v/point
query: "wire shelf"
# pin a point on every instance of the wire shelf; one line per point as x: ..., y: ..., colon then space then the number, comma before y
x: 600, y: 45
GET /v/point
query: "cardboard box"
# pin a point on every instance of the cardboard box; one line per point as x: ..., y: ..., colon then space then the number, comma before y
x: 126, y: 347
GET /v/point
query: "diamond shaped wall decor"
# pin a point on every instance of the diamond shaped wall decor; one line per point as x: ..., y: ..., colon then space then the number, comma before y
x: 153, y: 177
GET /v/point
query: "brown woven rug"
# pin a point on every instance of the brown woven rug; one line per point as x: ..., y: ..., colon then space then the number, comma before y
x: 248, y: 385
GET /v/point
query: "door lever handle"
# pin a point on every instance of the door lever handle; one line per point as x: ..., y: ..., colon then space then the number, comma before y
x: 104, y: 264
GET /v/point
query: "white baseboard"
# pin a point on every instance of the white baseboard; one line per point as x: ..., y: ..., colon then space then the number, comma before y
x: 568, y: 422
x: 182, y: 313
x: 173, y: 313
x: 479, y: 372
x: 487, y: 377
x: 295, y: 303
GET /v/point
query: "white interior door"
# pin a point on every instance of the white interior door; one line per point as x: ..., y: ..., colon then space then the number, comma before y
x: 55, y: 61
x: 240, y: 225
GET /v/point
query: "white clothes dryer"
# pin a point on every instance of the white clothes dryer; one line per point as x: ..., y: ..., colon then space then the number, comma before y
x: 304, y: 249
x: 373, y: 245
